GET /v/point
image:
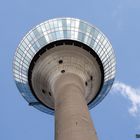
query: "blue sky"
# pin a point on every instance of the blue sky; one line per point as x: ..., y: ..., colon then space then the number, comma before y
x: 117, y: 117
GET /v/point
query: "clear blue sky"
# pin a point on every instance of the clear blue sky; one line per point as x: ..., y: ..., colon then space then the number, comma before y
x: 118, y: 116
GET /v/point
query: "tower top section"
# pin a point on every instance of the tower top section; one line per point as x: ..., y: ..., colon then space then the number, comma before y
x: 60, y: 46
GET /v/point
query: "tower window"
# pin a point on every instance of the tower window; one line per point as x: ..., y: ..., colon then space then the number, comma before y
x: 62, y: 71
x: 91, y: 78
x: 60, y: 61
x: 50, y: 94
x: 43, y: 91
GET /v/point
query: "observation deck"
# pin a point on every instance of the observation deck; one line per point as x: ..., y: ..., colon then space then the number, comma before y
x: 59, y: 47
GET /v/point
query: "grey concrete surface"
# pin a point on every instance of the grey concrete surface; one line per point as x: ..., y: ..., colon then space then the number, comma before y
x: 72, y: 118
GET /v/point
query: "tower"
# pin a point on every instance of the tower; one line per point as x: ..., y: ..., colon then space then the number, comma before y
x: 63, y: 67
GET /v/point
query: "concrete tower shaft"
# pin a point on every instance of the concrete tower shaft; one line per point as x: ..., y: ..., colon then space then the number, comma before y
x: 72, y: 118
x: 66, y: 78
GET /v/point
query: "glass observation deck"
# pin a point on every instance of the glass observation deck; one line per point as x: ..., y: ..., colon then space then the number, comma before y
x: 62, y: 29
